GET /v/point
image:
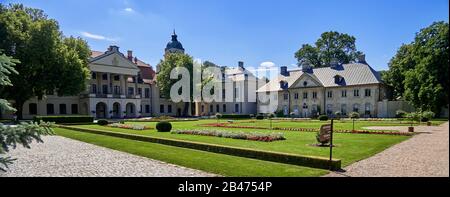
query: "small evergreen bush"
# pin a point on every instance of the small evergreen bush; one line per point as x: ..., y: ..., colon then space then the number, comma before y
x: 163, y: 126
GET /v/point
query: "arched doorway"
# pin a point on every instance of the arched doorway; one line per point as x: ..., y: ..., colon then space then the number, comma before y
x: 100, y: 110
x: 130, y: 110
x: 116, y: 110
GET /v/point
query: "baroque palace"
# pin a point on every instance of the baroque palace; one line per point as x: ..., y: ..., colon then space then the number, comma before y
x: 122, y: 86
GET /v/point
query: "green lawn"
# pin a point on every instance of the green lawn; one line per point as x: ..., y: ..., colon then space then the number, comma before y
x: 210, y: 162
x: 350, y: 147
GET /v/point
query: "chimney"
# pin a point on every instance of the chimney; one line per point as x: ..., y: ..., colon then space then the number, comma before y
x: 334, y: 63
x: 241, y: 65
x: 113, y: 48
x: 362, y: 59
x: 306, y: 66
x: 284, y: 71
x: 130, y: 55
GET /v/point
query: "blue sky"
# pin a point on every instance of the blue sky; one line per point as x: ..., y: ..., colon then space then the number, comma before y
x: 254, y: 31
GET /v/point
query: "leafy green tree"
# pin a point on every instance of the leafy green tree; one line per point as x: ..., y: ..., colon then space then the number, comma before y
x: 48, y: 60
x: 331, y: 45
x: 170, y: 62
x: 419, y: 70
x: 22, y: 134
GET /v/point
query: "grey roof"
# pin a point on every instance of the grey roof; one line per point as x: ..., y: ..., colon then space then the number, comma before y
x: 353, y: 74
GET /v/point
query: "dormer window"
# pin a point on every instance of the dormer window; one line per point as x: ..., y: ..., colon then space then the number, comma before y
x: 284, y: 85
x: 338, y: 79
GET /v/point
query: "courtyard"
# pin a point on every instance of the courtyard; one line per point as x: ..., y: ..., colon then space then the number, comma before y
x: 350, y: 148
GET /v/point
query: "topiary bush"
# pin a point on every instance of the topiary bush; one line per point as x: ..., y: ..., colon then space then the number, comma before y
x: 427, y: 116
x: 163, y: 126
x: 323, y: 117
x: 400, y: 114
x: 259, y: 117
x: 102, y: 122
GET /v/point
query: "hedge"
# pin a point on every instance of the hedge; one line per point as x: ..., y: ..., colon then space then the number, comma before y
x: 308, y: 161
x: 64, y: 119
x: 235, y: 116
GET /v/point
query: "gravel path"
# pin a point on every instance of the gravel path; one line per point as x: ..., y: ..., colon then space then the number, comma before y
x: 425, y: 154
x: 63, y: 157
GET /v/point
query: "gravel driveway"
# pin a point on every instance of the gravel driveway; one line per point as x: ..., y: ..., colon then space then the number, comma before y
x: 63, y: 157
x: 425, y: 154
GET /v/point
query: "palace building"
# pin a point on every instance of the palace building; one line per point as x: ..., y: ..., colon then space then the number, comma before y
x: 122, y: 86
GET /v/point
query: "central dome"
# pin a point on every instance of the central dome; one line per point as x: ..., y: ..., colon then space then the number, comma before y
x: 174, y: 45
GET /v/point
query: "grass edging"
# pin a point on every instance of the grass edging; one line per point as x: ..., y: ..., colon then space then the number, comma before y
x: 300, y: 160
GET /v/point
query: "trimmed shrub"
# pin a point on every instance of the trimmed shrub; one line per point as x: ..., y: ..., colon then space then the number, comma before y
x: 259, y: 117
x: 323, y: 117
x: 354, y: 115
x: 64, y: 119
x: 400, y: 114
x: 235, y: 116
x: 427, y: 116
x: 102, y: 122
x: 163, y: 126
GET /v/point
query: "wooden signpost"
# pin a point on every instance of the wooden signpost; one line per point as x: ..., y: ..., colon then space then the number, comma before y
x: 326, y: 133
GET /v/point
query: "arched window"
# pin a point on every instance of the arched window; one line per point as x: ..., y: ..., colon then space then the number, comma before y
x: 356, y: 107
x: 367, y: 108
x: 32, y: 107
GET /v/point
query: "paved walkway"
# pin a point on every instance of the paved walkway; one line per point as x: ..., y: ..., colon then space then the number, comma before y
x: 63, y: 157
x: 425, y: 154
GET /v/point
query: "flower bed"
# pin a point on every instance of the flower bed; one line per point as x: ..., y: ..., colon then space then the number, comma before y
x: 129, y: 126
x: 254, y: 136
x: 225, y: 125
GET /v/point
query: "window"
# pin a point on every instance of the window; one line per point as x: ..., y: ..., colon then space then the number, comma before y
x: 344, y: 93
x: 161, y: 109
x: 50, y: 109
x: 147, y: 109
x: 236, y: 108
x: 49, y: 92
x: 305, y: 95
x: 217, y: 108
x: 314, y: 95
x: 116, y: 77
x: 94, y: 89
x: 62, y: 109
x: 367, y: 92
x: 330, y: 94
x: 211, y: 109
x: 223, y: 93
x: 116, y: 90
x: 169, y: 109
x: 356, y: 108
x: 140, y: 91
x: 105, y: 89
x: 74, y: 108
x: 224, y: 108
x: 94, y: 75
x: 203, y: 108
x: 130, y: 91
x: 236, y: 92
x: 147, y: 92
x: 329, y: 109
x: 296, y: 96
x: 356, y: 93
x: 344, y: 109
x: 32, y: 107
x: 285, y: 96
x: 105, y: 76
x: 368, y: 107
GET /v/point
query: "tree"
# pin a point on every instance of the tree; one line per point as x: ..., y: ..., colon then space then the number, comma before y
x: 353, y: 116
x: 170, y: 62
x: 419, y: 70
x: 23, y: 133
x: 48, y: 60
x: 331, y: 45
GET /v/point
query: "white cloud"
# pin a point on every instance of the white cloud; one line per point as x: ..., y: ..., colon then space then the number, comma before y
x: 128, y: 10
x: 267, y: 64
x: 96, y: 36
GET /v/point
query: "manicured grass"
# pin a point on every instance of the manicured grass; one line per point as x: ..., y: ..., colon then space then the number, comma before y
x: 350, y: 147
x: 211, y: 162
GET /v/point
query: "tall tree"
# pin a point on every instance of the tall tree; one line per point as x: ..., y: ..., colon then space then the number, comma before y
x: 23, y: 133
x: 331, y: 45
x: 48, y: 60
x: 419, y: 70
x: 171, y: 61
